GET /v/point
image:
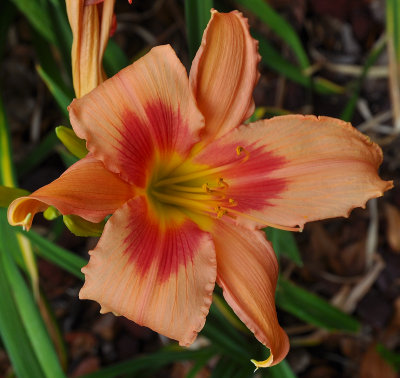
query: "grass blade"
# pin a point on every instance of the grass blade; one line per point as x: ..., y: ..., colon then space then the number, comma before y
x: 197, y: 14
x: 376, y: 51
x: 285, y: 244
x: 393, y: 40
x: 313, y: 309
x: 139, y: 365
x: 13, y: 335
x: 15, y: 248
x: 279, y: 25
x: 59, y: 256
x: 38, y: 154
x: 37, y: 14
x: 31, y: 319
x: 274, y: 60
x: 281, y: 370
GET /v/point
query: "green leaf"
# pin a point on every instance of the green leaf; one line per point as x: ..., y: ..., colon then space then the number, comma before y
x: 225, y: 342
x: 9, y: 194
x: 14, y: 248
x: 81, y: 227
x: 114, y: 58
x: 274, y: 60
x: 197, y: 14
x: 37, y: 14
x: 62, y: 96
x: 67, y: 158
x: 226, y: 368
x: 13, y: 335
x: 31, y: 319
x: 220, y: 308
x: 51, y: 213
x: 393, y: 42
x: 313, y: 309
x: 374, y: 54
x: 282, y: 370
x: 285, y: 244
x: 62, y: 33
x: 73, y: 144
x: 136, y: 367
x: 38, y: 154
x: 57, y: 255
x: 390, y: 357
x: 279, y: 25
x: 7, y: 14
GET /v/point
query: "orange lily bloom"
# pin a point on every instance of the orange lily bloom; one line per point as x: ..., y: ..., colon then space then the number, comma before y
x: 189, y: 186
x: 91, y: 23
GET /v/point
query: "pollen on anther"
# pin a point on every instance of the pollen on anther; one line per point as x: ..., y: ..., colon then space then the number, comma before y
x: 232, y: 202
x: 206, y: 188
x: 220, y: 212
x: 222, y: 183
x: 239, y: 150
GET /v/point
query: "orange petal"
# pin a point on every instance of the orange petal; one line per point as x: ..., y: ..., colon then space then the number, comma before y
x: 298, y: 169
x: 143, y: 112
x: 159, y: 274
x: 91, y: 25
x: 248, y: 272
x: 224, y: 73
x: 86, y: 189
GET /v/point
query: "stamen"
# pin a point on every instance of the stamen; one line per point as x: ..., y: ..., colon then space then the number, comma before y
x: 222, y: 183
x: 195, y: 196
x: 185, y: 202
x: 220, y: 212
x: 189, y: 189
x: 232, y: 202
x: 26, y: 221
x: 206, y: 188
x: 205, y: 172
x: 262, y: 222
x: 239, y: 150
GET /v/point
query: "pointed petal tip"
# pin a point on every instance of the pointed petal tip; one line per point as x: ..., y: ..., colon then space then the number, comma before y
x: 263, y: 364
x: 22, y: 211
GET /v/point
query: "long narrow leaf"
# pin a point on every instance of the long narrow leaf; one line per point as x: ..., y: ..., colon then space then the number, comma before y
x: 285, y: 244
x: 31, y: 319
x: 57, y: 255
x: 274, y: 60
x: 136, y: 367
x: 393, y: 39
x: 282, y: 370
x: 7, y: 14
x: 279, y: 25
x: 16, y: 248
x: 37, y: 14
x: 14, y: 336
x: 38, y: 154
x: 197, y: 14
x: 313, y: 309
x: 374, y: 54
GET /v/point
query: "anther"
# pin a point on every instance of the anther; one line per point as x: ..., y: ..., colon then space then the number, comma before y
x: 220, y: 212
x: 206, y: 188
x: 232, y: 202
x: 222, y: 183
x: 239, y: 150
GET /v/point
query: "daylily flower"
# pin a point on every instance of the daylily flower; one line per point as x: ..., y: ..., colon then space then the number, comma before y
x: 189, y: 186
x: 91, y: 23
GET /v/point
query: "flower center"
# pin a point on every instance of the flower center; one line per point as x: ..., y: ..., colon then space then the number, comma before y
x: 194, y: 187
